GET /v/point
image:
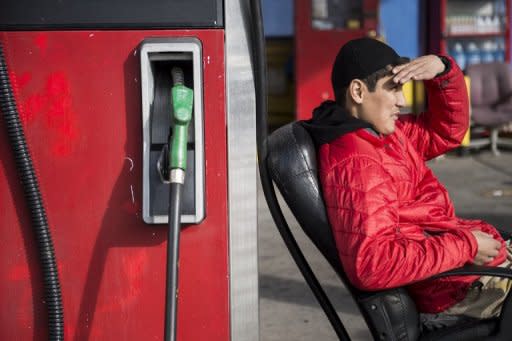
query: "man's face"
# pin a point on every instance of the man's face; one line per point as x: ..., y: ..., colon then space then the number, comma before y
x: 381, y: 107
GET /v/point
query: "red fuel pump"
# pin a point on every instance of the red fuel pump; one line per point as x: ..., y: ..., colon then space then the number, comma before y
x: 88, y: 82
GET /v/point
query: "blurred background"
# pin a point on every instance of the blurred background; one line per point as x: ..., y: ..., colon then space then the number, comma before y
x: 302, y: 38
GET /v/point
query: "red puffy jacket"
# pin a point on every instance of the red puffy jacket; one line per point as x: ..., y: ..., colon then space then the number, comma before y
x: 393, y: 221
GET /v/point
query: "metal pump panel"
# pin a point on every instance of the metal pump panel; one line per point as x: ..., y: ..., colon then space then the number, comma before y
x: 157, y: 57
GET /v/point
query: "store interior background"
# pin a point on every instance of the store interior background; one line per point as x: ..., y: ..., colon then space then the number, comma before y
x: 402, y: 24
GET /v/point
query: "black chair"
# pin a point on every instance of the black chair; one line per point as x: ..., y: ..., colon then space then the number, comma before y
x: 390, y: 314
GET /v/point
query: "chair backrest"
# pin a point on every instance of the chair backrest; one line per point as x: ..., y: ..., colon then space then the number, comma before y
x: 292, y: 164
x: 293, y: 167
x: 490, y: 83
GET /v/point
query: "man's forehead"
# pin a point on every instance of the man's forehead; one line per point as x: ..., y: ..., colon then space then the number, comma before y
x: 387, y: 83
x: 386, y: 80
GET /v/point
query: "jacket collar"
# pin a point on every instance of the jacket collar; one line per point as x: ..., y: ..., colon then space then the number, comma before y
x: 377, y: 140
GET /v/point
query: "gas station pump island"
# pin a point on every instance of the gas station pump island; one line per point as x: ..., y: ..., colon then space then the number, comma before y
x: 113, y: 101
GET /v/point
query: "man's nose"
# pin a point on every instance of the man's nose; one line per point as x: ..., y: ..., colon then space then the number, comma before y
x: 400, y: 99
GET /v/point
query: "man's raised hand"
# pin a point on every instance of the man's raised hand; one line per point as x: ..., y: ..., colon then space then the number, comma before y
x: 422, y: 68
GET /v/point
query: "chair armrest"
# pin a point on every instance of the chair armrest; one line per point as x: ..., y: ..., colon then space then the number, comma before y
x: 471, y: 270
x: 503, y: 101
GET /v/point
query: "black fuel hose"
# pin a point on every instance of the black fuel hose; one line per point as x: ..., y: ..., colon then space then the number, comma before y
x: 260, y: 77
x: 53, y: 297
x: 173, y: 244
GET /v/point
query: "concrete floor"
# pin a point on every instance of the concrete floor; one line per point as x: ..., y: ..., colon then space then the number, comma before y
x: 480, y: 186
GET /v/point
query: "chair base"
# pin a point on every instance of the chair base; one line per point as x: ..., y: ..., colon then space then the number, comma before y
x: 470, y: 331
x: 494, y: 141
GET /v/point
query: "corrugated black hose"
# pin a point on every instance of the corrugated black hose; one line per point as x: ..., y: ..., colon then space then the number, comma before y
x: 260, y: 78
x: 28, y: 178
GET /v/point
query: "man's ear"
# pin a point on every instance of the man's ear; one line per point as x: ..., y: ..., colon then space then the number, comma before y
x: 356, y: 90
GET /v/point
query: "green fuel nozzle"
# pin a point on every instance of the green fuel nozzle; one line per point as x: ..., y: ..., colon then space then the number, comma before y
x: 182, y: 101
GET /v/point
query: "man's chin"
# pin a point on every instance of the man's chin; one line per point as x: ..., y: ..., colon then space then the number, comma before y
x: 388, y: 131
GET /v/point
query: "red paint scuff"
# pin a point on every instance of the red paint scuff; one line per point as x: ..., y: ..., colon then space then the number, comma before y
x: 41, y: 41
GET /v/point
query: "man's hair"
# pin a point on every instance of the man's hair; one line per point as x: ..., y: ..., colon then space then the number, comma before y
x: 371, y: 80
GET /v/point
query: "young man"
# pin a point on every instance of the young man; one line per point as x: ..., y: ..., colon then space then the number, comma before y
x: 393, y: 222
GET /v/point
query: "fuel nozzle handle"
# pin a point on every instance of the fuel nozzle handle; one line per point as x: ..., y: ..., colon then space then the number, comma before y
x: 182, y: 102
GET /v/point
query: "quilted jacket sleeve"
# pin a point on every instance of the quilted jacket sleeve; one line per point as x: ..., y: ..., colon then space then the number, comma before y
x: 362, y: 205
x: 443, y: 126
